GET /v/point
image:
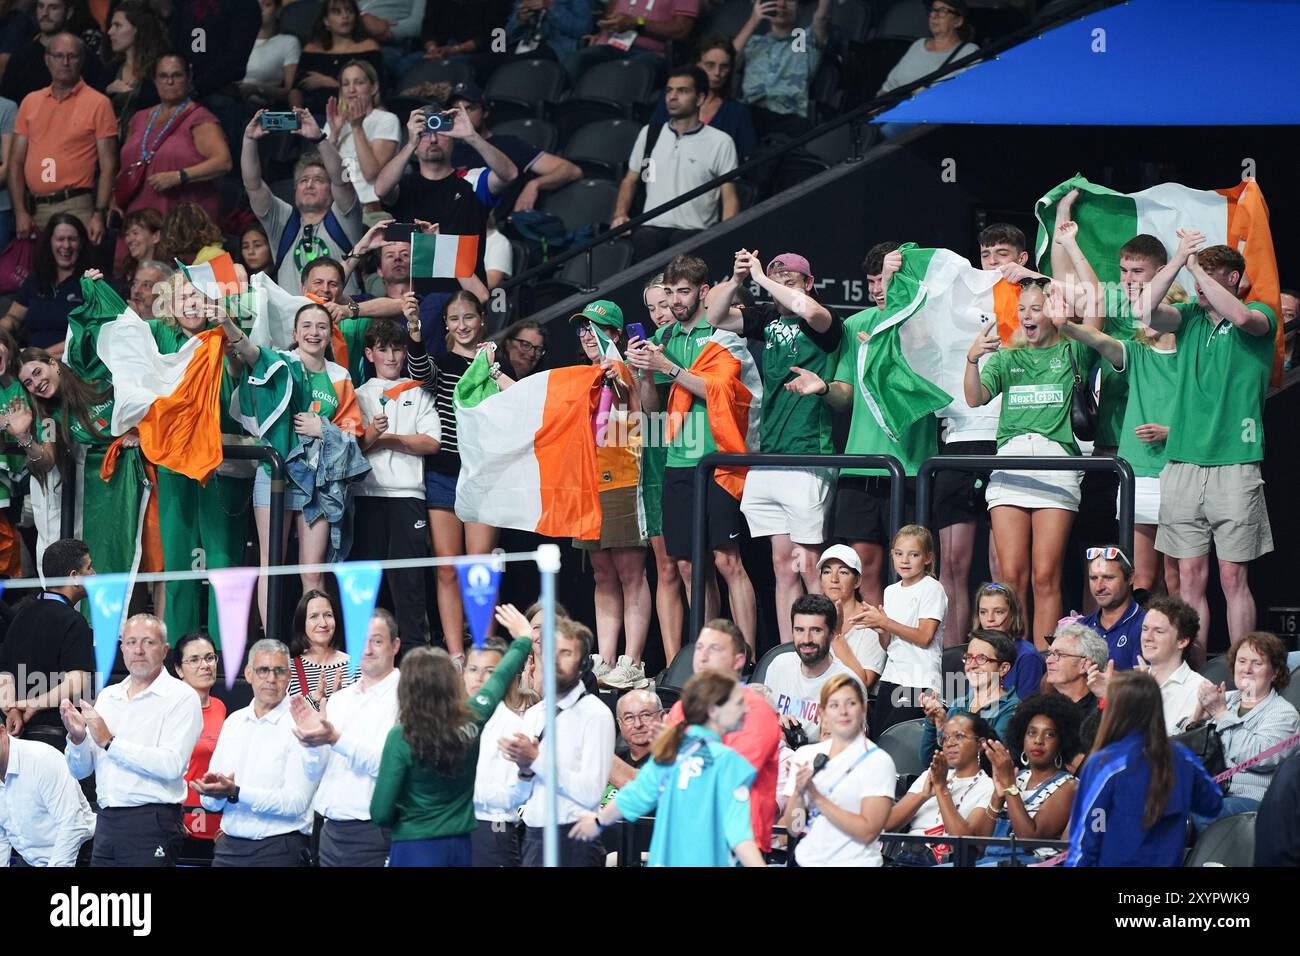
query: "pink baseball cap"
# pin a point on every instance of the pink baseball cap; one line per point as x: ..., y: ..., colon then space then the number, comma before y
x: 790, y: 262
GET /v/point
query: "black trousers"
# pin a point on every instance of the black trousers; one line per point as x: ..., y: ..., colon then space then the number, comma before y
x: 151, y: 835
x: 287, y: 849
x: 495, y: 844
x: 353, y: 843
x: 397, y: 528
x: 573, y: 853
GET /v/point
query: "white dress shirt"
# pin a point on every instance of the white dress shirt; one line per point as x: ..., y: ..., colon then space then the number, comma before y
x: 584, y: 728
x: 348, y: 769
x: 275, y: 774
x: 154, y: 734
x: 1178, y: 693
x: 43, y: 813
x: 496, y: 776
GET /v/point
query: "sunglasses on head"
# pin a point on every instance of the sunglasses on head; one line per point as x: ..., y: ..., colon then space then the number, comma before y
x: 1040, y: 281
x: 1110, y: 554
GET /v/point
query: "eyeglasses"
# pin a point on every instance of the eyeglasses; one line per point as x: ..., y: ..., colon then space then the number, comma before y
x: 280, y: 673
x: 1110, y: 554
x: 979, y: 660
x: 628, y: 720
x: 196, y: 661
x: 586, y: 329
x: 958, y: 737
x: 1059, y: 654
x: 528, y: 348
x: 145, y: 642
x: 64, y: 57
x: 944, y: 12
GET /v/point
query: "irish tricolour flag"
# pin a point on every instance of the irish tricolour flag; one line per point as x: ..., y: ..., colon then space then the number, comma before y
x: 527, y: 453
x: 914, y: 359
x: 1236, y: 216
x: 443, y: 257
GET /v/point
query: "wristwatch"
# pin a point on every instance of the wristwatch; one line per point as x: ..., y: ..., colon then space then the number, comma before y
x: 675, y: 371
x: 640, y: 24
x: 354, y: 309
x: 234, y: 797
x: 185, y: 177
x: 1011, y: 791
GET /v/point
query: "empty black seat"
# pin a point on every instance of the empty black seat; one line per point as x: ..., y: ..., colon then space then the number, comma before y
x: 536, y: 132
x: 902, y: 742
x: 606, y: 91
x: 602, y: 148
x: 452, y: 72
x: 586, y: 202
x: 523, y: 88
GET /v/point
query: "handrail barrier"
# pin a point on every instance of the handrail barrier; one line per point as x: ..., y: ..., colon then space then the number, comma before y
x: 981, y: 463
x: 704, y: 474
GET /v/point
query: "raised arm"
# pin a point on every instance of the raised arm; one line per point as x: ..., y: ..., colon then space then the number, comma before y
x: 386, y: 182
x: 250, y: 168
x: 501, y: 168
x: 792, y: 300
x: 1225, y: 302
x: 718, y: 304
x: 985, y: 343
x: 1151, y: 307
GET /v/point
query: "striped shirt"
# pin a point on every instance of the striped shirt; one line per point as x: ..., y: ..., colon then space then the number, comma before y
x: 339, y: 678
x: 440, y: 375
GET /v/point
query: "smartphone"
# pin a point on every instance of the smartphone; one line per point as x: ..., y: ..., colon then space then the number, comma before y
x: 281, y: 121
x: 399, y: 231
x: 635, y: 330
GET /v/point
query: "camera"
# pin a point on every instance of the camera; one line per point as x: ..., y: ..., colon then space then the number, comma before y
x: 438, y: 122
x: 281, y: 121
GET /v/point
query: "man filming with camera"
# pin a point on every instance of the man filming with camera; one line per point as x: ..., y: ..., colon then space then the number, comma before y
x: 458, y: 200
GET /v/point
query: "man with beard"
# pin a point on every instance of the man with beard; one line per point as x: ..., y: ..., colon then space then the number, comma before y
x: 797, y: 680
x: 1118, y: 617
x: 585, y: 729
x: 699, y: 360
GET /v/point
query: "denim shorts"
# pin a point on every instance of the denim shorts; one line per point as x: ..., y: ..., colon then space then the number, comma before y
x: 294, y: 499
x: 439, y: 490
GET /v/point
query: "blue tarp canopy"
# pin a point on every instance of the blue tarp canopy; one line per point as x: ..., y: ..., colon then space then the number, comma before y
x: 1142, y: 63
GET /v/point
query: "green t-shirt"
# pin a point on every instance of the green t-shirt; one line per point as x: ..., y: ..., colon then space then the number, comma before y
x: 792, y: 424
x: 1152, y: 377
x: 1114, y: 387
x: 694, y: 439
x: 101, y: 416
x: 866, y: 437
x: 1036, y: 386
x: 1223, y: 372
x: 324, y: 400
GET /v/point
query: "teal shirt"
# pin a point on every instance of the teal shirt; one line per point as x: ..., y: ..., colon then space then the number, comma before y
x: 700, y: 802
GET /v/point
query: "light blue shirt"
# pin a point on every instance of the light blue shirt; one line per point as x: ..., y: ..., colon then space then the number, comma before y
x: 701, y: 802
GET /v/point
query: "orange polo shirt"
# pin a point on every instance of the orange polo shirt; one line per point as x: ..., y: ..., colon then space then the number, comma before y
x: 61, y: 136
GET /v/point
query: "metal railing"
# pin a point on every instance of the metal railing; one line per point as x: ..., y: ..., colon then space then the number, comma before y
x: 274, y: 547
x: 982, y: 463
x: 704, y: 475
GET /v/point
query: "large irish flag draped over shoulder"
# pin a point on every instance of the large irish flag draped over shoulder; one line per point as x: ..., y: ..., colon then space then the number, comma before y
x: 527, y: 454
x: 734, y: 397
x: 1236, y: 217
x: 914, y: 359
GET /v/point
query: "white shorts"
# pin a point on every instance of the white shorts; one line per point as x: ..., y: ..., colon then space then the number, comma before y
x: 1034, y: 489
x: 1146, y: 501
x: 793, y: 501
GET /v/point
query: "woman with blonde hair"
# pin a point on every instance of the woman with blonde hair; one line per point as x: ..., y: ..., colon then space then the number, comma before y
x: 366, y: 135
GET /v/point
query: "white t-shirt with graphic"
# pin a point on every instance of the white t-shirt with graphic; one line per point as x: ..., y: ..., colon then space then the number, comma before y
x: 909, y: 665
x: 793, y: 693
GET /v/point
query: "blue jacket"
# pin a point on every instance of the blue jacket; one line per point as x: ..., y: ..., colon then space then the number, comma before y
x: 1106, y: 822
x: 328, y: 470
x: 1125, y: 638
x: 998, y: 715
x: 1026, y: 674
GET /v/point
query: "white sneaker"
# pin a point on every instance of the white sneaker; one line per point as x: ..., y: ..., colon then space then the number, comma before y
x: 599, y: 668
x: 625, y: 674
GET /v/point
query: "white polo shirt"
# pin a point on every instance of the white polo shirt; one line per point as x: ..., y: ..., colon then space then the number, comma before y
x: 363, y: 717
x: 43, y: 813
x: 154, y: 734
x: 679, y: 163
x: 1179, y: 695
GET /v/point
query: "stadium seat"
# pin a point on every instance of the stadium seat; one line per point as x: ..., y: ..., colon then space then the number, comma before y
x: 881, y: 55
x: 1291, y: 693
x: 588, y: 202
x: 523, y: 88
x: 1226, y: 842
x: 834, y: 147
x: 903, y: 743
x: 746, y: 191
x: 850, y: 20
x: 764, y: 662
x: 680, y: 670
x: 728, y: 18
x: 536, y: 132
x: 904, y: 784
x: 602, y: 148
x: 607, y: 259
x: 995, y: 22
x: 1217, y: 671
x: 297, y: 19
x: 1054, y: 8
x: 520, y: 256
x: 434, y: 71
x: 906, y: 18
x: 606, y: 91
x: 954, y: 672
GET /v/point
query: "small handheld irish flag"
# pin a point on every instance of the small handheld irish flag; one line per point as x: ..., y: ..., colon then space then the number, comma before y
x: 214, y: 278
x: 443, y: 257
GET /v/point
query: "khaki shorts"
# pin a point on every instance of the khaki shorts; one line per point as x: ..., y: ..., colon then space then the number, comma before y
x: 621, y: 521
x: 1223, y: 502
